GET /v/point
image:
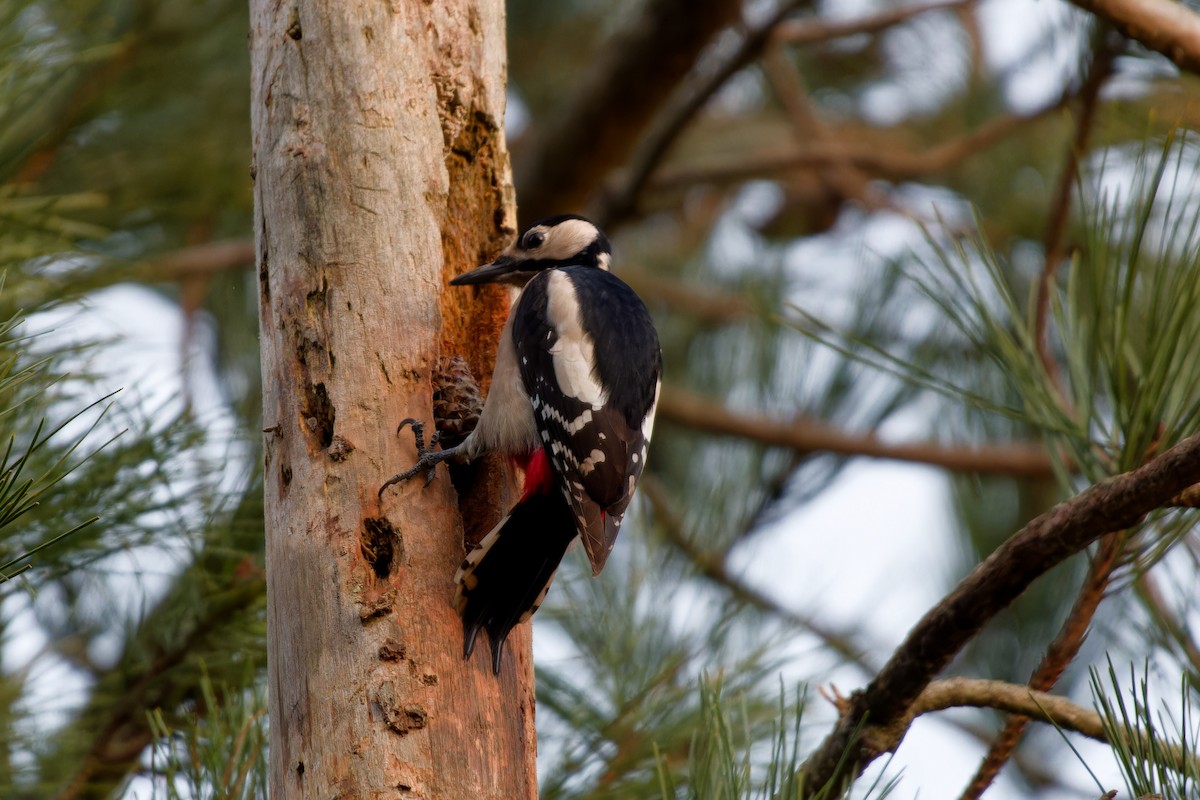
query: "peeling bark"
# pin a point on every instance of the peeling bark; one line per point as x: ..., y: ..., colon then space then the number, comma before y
x: 380, y: 170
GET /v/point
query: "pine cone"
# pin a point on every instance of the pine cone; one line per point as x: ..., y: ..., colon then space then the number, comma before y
x: 456, y: 400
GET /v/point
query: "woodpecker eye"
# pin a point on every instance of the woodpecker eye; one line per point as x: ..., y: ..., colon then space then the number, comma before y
x: 533, y: 240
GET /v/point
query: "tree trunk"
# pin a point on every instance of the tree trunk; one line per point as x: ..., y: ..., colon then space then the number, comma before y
x: 380, y: 171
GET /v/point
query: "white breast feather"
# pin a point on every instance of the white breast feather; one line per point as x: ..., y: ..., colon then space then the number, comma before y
x: 506, y: 423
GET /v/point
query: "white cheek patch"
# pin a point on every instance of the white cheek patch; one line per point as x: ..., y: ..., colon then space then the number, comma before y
x: 573, y: 353
x: 566, y: 239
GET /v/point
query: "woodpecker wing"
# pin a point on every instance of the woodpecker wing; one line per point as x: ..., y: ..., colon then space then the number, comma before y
x: 590, y: 361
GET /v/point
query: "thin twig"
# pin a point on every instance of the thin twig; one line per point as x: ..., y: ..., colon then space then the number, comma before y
x: 810, y: 436
x: 1047, y: 541
x: 1058, y: 656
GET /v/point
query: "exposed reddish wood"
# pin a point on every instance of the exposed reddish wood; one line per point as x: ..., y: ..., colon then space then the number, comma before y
x: 381, y: 169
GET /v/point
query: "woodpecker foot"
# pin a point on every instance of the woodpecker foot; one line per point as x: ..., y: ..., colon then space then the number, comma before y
x: 427, y: 458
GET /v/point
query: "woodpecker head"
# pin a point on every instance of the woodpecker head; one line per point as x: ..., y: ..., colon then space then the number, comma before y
x: 566, y: 240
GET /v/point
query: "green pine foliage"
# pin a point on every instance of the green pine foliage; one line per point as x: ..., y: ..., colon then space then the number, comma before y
x: 1155, y: 743
x: 160, y: 574
x: 221, y: 753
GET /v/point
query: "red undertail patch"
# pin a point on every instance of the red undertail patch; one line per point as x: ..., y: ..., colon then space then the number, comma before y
x: 538, y: 477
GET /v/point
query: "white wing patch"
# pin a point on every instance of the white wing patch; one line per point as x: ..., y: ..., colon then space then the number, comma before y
x: 648, y: 422
x: 573, y: 353
x: 589, y: 463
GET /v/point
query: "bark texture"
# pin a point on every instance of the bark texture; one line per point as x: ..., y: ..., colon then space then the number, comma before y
x: 380, y: 171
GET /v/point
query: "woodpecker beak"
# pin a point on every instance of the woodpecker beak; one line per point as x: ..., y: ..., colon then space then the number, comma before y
x: 505, y: 269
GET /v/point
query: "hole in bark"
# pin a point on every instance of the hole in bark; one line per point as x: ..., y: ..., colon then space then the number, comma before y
x: 378, y: 544
x: 300, y: 769
x: 391, y: 650
x: 294, y: 31
x: 400, y: 718
x: 319, y: 414
x: 264, y: 279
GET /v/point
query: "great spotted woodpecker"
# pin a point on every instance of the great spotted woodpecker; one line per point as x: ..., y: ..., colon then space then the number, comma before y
x: 572, y: 401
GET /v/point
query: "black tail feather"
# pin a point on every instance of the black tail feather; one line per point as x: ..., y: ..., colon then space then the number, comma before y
x: 503, y: 580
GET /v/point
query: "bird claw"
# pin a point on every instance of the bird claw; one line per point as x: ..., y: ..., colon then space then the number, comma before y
x: 427, y: 458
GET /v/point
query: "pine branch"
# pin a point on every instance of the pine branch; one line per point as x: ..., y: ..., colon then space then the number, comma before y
x: 811, y: 436
x: 1057, y: 658
x: 1048, y: 540
x: 714, y: 568
x: 222, y: 591
x: 1099, y: 70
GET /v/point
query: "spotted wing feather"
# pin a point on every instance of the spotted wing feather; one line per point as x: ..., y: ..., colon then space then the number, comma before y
x: 589, y: 360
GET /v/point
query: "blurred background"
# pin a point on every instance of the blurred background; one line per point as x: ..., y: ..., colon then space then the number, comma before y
x: 920, y: 271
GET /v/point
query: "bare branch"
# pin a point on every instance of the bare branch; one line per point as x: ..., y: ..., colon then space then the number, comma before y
x: 1169, y: 27
x: 887, y: 163
x: 840, y: 177
x: 201, y: 261
x: 811, y: 436
x: 706, y: 305
x: 619, y: 202
x: 803, y: 32
x: 635, y: 73
x: 1046, y: 541
x: 1021, y: 700
x: 1013, y: 698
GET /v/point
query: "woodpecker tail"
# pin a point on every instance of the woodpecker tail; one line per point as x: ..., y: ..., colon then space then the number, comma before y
x: 505, y: 577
